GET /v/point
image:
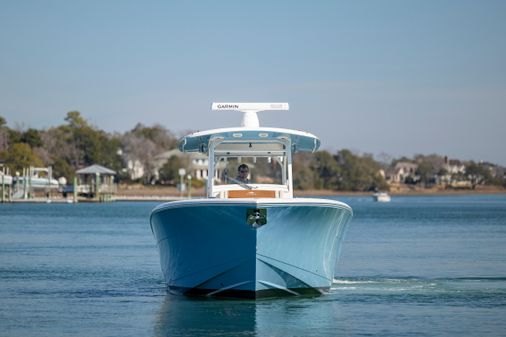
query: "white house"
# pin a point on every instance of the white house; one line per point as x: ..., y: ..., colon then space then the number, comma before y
x: 402, y: 170
x: 135, y: 169
x: 453, y: 166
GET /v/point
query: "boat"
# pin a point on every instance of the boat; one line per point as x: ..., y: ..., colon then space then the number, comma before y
x: 381, y: 197
x: 37, y: 182
x: 250, y: 238
x: 33, y: 179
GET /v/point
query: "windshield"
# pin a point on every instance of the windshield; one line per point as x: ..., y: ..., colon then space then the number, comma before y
x: 250, y: 170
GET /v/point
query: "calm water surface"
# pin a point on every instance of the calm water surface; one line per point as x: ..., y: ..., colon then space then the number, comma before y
x: 418, y: 266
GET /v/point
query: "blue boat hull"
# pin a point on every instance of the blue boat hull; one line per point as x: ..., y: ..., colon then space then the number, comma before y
x: 216, y: 248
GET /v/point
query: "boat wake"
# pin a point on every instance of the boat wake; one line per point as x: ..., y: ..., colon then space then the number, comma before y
x: 482, y: 291
x: 387, y: 284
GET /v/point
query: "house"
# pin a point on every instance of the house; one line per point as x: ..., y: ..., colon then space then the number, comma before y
x: 135, y: 169
x: 401, y: 171
x: 453, y: 166
x: 455, y: 173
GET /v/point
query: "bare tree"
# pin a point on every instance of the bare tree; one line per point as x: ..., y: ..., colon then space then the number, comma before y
x: 142, y: 144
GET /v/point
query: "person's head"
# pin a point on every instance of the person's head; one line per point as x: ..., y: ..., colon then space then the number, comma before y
x: 243, y: 171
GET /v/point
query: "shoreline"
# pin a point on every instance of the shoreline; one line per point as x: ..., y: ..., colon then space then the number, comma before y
x: 416, y: 192
x: 166, y: 194
x: 140, y: 190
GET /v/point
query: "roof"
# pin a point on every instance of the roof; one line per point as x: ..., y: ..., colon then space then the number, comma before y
x: 94, y: 169
x: 164, y: 156
x: 301, y: 141
x: 167, y: 154
x: 402, y: 164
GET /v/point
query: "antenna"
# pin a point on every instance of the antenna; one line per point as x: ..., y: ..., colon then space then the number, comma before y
x: 250, y: 117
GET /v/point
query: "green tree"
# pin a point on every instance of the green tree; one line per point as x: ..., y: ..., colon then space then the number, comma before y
x: 169, y: 172
x: 19, y: 156
x: 442, y: 172
x: 31, y: 137
x: 359, y: 173
x: 76, y: 144
x: 159, y: 135
x: 426, y: 171
x: 14, y: 136
x: 326, y: 170
x: 75, y: 120
x: 478, y: 174
x: 61, y: 168
x: 4, y: 135
x: 303, y: 175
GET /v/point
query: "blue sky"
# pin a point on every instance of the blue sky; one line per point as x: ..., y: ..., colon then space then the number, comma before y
x: 394, y: 77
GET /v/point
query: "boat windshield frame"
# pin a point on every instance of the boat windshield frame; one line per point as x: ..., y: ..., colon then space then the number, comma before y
x: 220, y: 147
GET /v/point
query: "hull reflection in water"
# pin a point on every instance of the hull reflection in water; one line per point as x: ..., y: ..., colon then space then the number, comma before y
x: 250, y: 248
x: 300, y: 316
x: 182, y: 316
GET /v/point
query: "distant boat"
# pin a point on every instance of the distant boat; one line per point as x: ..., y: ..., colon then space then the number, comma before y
x: 250, y: 239
x: 37, y: 182
x: 22, y: 185
x: 381, y: 197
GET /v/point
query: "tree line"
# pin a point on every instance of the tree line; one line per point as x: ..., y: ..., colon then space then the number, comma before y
x: 76, y: 144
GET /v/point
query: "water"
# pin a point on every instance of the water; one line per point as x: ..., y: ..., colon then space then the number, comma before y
x: 418, y: 266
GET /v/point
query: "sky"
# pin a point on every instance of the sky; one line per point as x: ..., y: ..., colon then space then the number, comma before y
x: 390, y: 78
